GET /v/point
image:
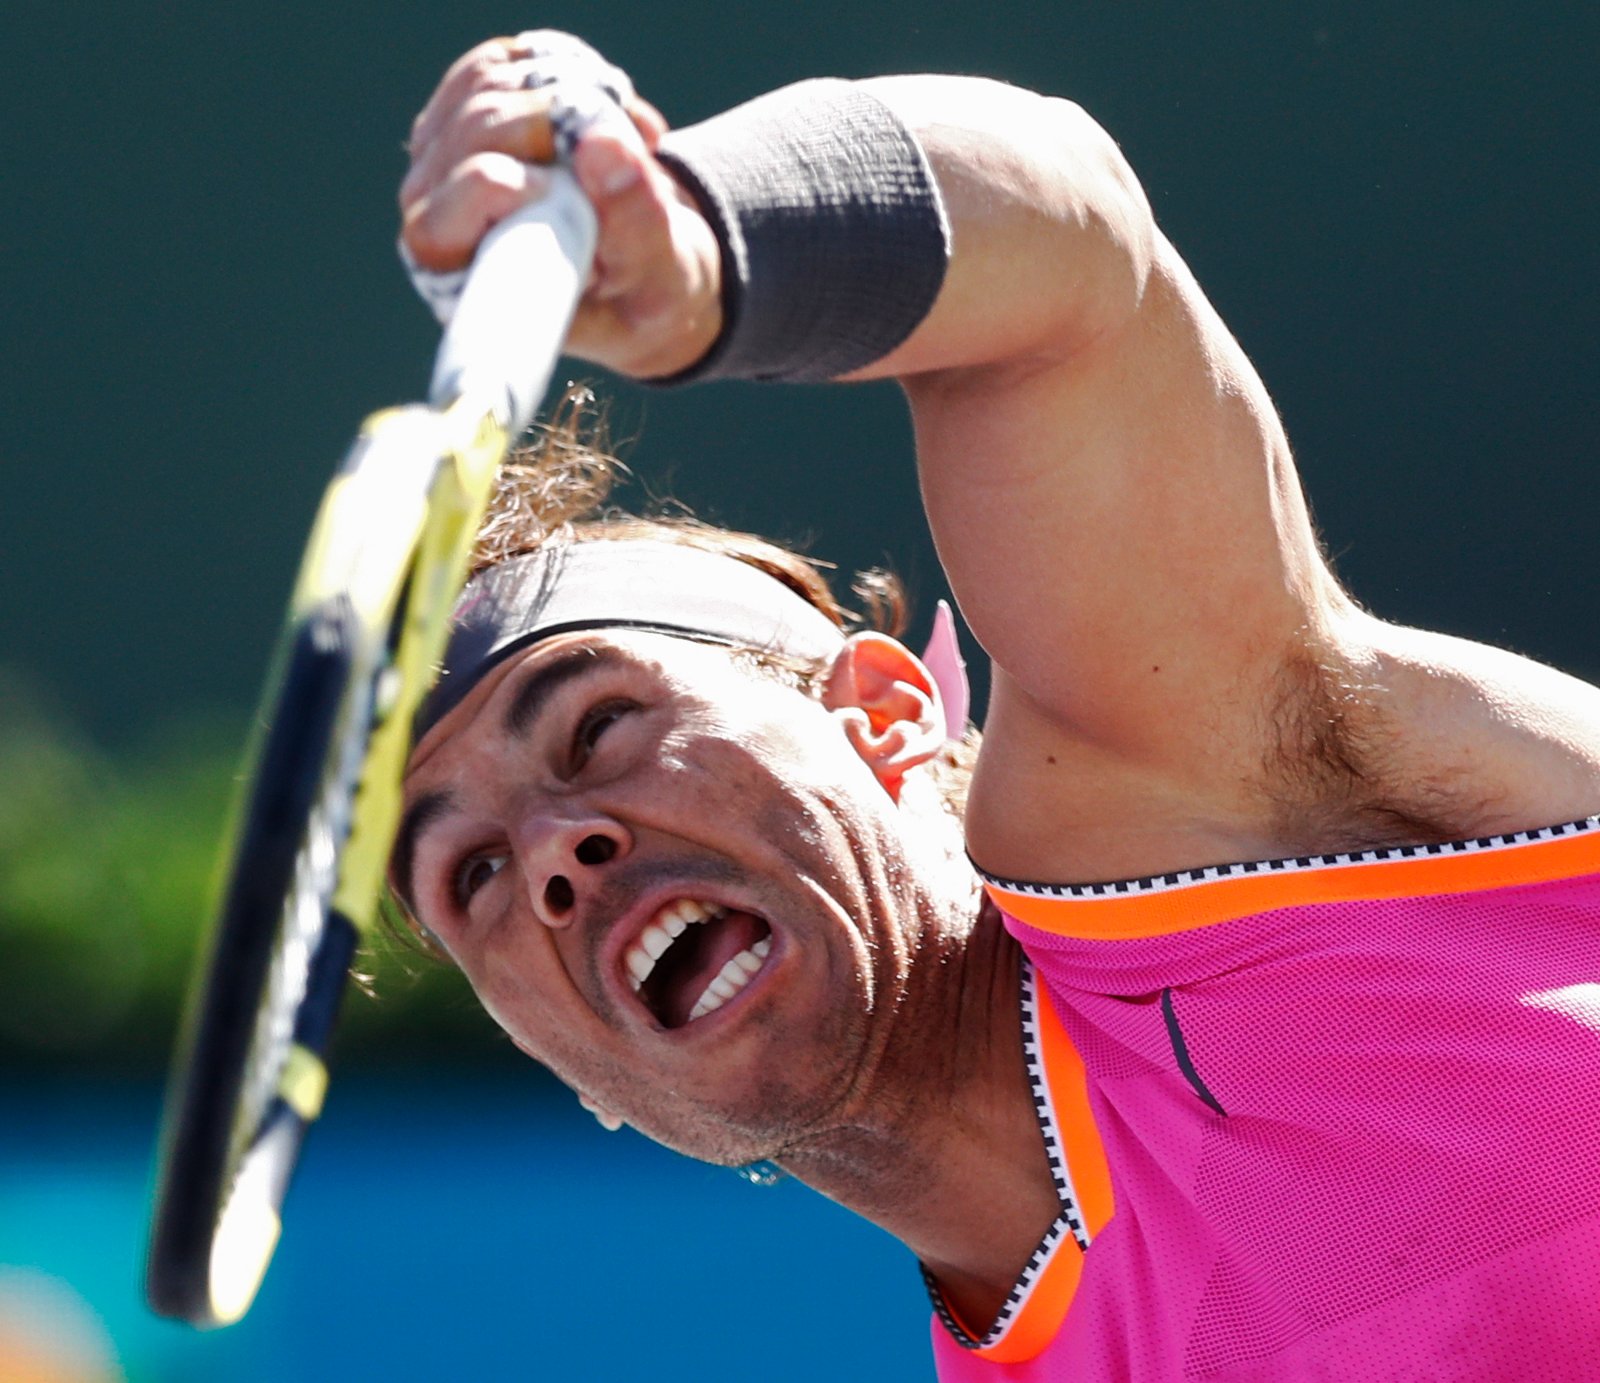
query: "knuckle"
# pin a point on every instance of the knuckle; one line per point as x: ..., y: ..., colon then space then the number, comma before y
x: 474, y: 73
x: 482, y: 60
x: 420, y: 232
x: 492, y: 119
x: 482, y: 175
x: 478, y: 112
x: 410, y: 190
x: 491, y: 183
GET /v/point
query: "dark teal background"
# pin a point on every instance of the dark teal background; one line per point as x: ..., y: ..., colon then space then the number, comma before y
x: 1395, y: 207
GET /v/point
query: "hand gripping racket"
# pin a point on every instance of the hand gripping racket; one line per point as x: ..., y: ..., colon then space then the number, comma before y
x: 313, y: 828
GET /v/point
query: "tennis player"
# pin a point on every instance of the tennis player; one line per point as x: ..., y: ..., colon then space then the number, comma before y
x: 1260, y: 1036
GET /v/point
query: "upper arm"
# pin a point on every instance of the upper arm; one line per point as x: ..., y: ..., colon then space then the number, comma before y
x: 1023, y: 176
x: 1108, y: 484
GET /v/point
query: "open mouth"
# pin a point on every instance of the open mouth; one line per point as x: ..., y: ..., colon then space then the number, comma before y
x: 693, y: 957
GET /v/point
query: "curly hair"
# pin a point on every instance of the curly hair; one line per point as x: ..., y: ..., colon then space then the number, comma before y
x: 558, y: 489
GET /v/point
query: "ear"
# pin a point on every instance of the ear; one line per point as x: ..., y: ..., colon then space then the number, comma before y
x: 604, y: 1117
x: 888, y: 706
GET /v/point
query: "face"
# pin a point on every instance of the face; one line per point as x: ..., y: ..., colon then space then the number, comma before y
x: 670, y: 879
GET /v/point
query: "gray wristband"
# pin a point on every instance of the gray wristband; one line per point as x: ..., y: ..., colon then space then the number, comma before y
x: 833, y: 234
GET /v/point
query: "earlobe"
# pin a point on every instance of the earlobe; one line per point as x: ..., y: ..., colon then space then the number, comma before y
x: 888, y: 706
x: 604, y: 1117
x: 607, y: 1120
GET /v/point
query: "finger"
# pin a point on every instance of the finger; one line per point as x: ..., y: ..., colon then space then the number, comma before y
x: 650, y: 123
x: 504, y: 64
x: 629, y: 195
x: 638, y: 282
x: 514, y: 122
x: 507, y: 120
x: 469, y: 73
x: 655, y: 304
x: 606, y: 166
x: 442, y: 228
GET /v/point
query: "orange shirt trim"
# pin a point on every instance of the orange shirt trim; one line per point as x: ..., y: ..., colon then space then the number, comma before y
x: 1198, y: 898
x: 1039, y: 1302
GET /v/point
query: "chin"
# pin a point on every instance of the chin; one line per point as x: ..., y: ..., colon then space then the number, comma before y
x: 708, y: 1139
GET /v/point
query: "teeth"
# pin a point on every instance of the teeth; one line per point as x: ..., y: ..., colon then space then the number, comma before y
x: 663, y: 929
x: 685, y: 912
x: 704, y: 1005
x: 733, y: 977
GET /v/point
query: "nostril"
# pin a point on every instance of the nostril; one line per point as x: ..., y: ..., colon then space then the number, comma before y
x: 595, y: 849
x: 558, y: 894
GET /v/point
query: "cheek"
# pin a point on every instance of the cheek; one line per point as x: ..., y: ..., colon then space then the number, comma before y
x: 536, y: 1029
x: 747, y: 788
x: 527, y: 993
x: 756, y: 755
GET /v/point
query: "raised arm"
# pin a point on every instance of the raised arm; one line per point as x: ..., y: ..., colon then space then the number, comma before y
x: 1052, y: 236
x: 1107, y: 482
x: 1112, y: 496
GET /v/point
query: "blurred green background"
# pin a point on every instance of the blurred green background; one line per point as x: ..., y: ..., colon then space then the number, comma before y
x: 1395, y: 207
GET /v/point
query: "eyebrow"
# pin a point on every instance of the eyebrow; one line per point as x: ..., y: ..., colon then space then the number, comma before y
x: 419, y: 815
x: 534, y: 694
x: 526, y: 706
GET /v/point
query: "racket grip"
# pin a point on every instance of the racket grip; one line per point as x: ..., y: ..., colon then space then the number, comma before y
x: 507, y: 331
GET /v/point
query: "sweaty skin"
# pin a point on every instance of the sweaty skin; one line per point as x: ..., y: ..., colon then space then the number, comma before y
x: 701, y: 780
x: 1178, y: 678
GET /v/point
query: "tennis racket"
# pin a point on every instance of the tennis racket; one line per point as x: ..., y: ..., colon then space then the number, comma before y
x: 314, y: 825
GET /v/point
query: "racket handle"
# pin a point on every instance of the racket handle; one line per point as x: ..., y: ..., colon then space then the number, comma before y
x: 506, y: 334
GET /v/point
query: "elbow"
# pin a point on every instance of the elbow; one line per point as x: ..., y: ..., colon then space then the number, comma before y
x: 1118, y: 236
x: 1130, y: 222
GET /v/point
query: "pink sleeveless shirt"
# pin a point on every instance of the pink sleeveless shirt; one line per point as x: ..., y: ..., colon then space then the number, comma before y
x: 1324, y: 1118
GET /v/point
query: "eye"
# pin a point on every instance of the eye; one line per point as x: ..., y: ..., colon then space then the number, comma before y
x: 472, y: 874
x: 594, y: 723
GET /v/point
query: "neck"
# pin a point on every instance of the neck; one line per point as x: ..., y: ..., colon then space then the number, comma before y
x: 944, y: 1151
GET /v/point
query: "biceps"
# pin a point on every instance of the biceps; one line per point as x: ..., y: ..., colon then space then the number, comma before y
x: 1124, y: 530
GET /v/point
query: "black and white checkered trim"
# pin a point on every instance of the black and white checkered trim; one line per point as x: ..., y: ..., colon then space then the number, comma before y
x: 1044, y: 1107
x: 1160, y: 883
x: 1068, y: 1222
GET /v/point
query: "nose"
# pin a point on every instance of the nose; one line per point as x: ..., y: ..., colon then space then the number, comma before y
x: 561, y: 858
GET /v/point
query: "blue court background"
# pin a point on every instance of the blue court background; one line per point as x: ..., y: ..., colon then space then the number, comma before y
x: 451, y: 1229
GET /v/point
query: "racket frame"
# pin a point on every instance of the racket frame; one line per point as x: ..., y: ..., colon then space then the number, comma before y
x: 387, y: 557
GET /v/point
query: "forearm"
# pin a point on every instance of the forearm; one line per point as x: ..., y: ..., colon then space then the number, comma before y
x: 1051, y: 235
x: 836, y: 204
